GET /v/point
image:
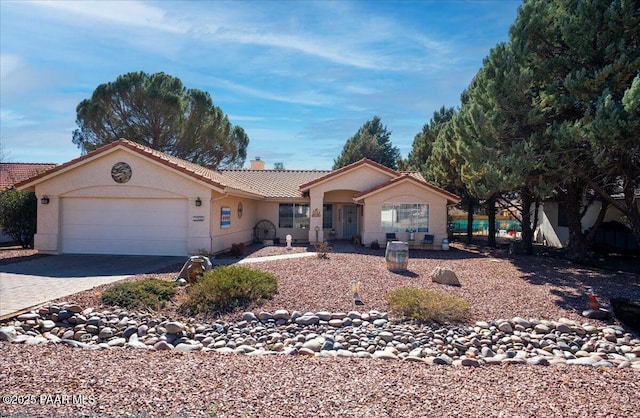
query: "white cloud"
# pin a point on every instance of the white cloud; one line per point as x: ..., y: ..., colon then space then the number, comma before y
x: 309, y: 98
x: 12, y: 119
x: 10, y: 64
x: 126, y: 13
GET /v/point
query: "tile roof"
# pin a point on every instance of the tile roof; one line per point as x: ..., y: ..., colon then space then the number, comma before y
x: 199, y: 172
x: 269, y: 184
x: 275, y: 184
x: 411, y: 176
x: 333, y: 173
x: 12, y: 173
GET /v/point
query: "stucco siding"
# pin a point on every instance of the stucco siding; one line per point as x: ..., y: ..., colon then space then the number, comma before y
x: 404, y: 193
x: 239, y: 230
x: 359, y: 179
x: 150, y: 182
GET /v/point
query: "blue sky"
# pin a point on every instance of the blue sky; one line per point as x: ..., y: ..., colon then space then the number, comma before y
x: 301, y: 77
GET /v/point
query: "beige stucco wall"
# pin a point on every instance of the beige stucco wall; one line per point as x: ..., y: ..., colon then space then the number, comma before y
x: 240, y: 229
x: 406, y: 192
x: 341, y: 188
x: 92, y: 178
x: 270, y: 210
x: 552, y: 235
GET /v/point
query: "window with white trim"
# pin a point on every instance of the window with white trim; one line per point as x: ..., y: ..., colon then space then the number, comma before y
x: 404, y: 217
x: 294, y: 215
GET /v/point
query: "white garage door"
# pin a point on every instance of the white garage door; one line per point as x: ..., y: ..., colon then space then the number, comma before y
x: 124, y: 226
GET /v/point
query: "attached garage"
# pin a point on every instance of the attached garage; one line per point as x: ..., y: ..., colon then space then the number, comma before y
x: 128, y: 199
x: 124, y: 226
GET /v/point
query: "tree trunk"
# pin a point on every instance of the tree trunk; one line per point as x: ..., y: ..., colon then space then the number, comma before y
x: 573, y: 201
x: 527, y: 232
x: 469, y: 220
x: 591, y: 235
x: 491, y: 213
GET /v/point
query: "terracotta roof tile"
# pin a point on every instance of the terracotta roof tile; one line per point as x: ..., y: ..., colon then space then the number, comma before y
x: 12, y: 173
x: 212, y: 177
x: 275, y: 184
x: 269, y: 184
x: 411, y: 176
x: 349, y: 167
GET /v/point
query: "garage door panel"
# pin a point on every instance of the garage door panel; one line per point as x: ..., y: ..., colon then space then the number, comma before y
x: 124, y: 226
x: 130, y: 232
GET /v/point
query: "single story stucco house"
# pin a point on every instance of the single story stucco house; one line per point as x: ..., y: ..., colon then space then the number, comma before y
x: 125, y: 198
x: 553, y: 225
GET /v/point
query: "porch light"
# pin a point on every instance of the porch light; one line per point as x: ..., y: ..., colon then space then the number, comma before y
x: 44, y: 200
x: 198, y: 201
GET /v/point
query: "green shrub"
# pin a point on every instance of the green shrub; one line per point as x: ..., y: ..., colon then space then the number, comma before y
x: 18, y: 216
x: 427, y: 305
x: 150, y: 292
x: 226, y: 288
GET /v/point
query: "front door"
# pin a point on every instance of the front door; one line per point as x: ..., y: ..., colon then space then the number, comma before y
x: 349, y: 221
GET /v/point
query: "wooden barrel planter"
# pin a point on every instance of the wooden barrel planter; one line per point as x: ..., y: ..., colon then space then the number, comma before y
x: 397, y: 255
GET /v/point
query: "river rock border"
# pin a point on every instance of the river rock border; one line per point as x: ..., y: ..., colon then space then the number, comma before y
x: 334, y: 334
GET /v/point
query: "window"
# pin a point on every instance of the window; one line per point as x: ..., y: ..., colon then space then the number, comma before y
x: 294, y: 215
x: 327, y: 216
x: 404, y: 217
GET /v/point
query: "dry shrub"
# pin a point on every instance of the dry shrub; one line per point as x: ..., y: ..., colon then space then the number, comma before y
x: 322, y: 250
x: 426, y: 305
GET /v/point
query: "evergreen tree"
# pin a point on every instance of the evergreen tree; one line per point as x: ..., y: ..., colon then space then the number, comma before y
x: 372, y: 141
x: 158, y: 111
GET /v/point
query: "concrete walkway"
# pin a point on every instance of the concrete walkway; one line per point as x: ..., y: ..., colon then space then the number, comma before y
x: 274, y: 257
x: 26, y: 285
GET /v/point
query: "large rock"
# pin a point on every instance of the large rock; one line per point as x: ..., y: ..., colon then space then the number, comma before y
x: 174, y: 327
x: 444, y: 275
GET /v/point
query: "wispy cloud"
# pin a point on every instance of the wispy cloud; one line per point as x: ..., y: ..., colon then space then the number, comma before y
x: 129, y: 13
x: 303, y: 75
x: 11, y: 119
x: 308, y: 97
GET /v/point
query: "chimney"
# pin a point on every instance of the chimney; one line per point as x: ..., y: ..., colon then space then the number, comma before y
x: 257, y: 164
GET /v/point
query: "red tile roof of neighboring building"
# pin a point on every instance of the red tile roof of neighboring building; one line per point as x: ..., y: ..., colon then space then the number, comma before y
x: 12, y: 173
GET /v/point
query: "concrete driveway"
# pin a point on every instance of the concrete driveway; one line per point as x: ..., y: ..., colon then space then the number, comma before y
x: 32, y: 283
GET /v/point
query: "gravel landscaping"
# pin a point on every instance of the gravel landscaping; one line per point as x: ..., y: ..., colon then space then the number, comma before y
x: 519, y: 355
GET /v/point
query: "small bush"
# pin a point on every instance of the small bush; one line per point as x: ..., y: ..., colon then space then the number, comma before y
x: 18, y: 216
x: 150, y: 292
x: 322, y: 250
x: 427, y: 305
x: 226, y: 288
x: 375, y: 245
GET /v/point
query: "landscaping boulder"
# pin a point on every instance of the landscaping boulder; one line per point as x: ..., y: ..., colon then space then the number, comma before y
x: 444, y: 275
x: 194, y: 268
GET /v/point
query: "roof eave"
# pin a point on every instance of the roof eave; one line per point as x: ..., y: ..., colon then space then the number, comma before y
x: 347, y: 168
